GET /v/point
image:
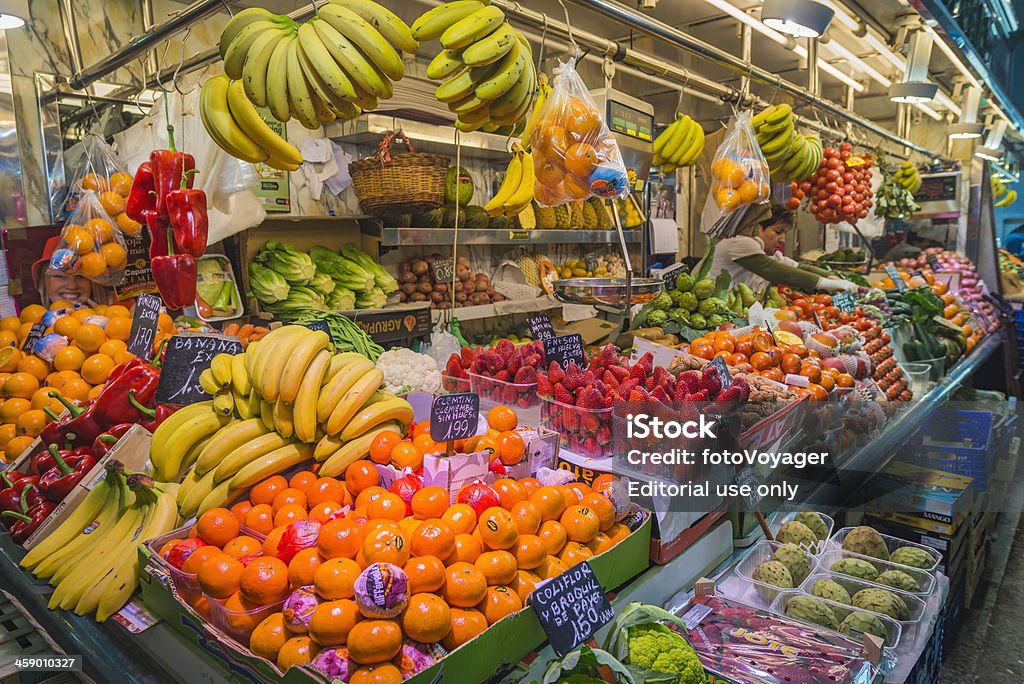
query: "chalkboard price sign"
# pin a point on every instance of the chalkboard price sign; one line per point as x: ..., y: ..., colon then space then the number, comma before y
x: 144, y: 320
x: 186, y: 356
x: 845, y: 301
x: 565, y: 349
x: 443, y: 270
x: 718, y: 363
x: 571, y: 608
x: 933, y: 261
x: 591, y: 262
x: 894, y: 276
x: 454, y: 416
x: 669, y: 277
x: 35, y: 334
x: 540, y: 327
x: 321, y: 326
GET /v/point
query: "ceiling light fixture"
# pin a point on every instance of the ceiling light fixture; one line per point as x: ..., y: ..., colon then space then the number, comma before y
x: 842, y: 15
x: 915, y: 86
x: 800, y: 18
x: 968, y: 126
x: 13, y: 14
x: 990, y: 150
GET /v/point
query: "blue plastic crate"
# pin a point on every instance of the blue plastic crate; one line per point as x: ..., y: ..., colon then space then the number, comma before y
x: 957, y: 442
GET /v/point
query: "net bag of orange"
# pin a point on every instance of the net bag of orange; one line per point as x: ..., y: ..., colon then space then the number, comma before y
x: 575, y: 156
x: 739, y: 174
x: 90, y: 244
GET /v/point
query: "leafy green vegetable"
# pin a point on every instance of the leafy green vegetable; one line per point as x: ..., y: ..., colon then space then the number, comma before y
x: 294, y: 266
x: 381, y: 278
x: 652, y: 651
x: 268, y: 286
x: 345, y: 335
x: 582, y: 666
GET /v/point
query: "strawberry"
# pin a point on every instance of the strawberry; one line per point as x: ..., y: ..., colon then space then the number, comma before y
x: 609, y: 380
x: 591, y: 399
x: 509, y: 395
x: 729, y: 399
x: 573, y: 377
x: 710, y: 382
x: 660, y: 394
x: 589, y: 376
x: 555, y: 373
x: 604, y: 435
x: 626, y: 387
x: 589, y: 422
x: 647, y: 361
x: 526, y: 375
x: 691, y: 379
x: 591, y: 449
x: 637, y: 371
x: 502, y: 375
x: 662, y: 376
x: 563, y: 396
x: 680, y: 391
x: 689, y: 412
x: 491, y: 362
x: 609, y: 400
x: 648, y: 382
x: 600, y: 387
x: 514, y: 362
x: 743, y: 386
x: 639, y: 394
x: 544, y: 386
x: 467, y: 356
x: 504, y: 349
x: 620, y: 372
x: 533, y: 360
x: 452, y: 367
x: 609, y: 356
x: 701, y: 396
x: 570, y: 419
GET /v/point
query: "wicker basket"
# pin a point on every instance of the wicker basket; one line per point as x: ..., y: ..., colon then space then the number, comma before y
x: 403, y: 183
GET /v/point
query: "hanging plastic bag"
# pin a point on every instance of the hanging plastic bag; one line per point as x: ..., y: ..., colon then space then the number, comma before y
x: 739, y: 178
x: 96, y: 170
x: 575, y: 156
x: 91, y: 245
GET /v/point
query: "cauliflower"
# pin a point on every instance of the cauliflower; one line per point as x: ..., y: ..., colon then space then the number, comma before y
x: 653, y: 646
x: 407, y: 371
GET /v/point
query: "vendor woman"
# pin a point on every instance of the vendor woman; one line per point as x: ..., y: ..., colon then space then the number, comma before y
x: 753, y: 258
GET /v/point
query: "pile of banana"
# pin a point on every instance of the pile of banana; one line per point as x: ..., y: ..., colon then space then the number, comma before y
x: 486, y: 66
x: 234, y: 124
x: 291, y: 400
x: 91, y: 559
x: 1003, y: 196
x: 516, y: 191
x: 909, y: 177
x: 679, y: 145
x: 790, y: 155
x: 336, y: 65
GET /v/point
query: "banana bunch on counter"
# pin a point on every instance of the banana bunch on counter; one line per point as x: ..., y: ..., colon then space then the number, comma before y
x: 486, y: 67
x: 789, y: 154
x: 679, y: 145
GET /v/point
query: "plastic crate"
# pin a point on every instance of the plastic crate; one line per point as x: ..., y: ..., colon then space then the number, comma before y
x: 521, y: 397
x: 958, y: 442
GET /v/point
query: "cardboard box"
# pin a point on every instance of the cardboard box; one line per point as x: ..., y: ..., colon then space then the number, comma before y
x: 504, y: 643
x: 953, y: 549
x: 933, y: 500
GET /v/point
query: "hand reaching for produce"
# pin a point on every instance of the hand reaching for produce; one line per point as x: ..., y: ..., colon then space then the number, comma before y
x: 836, y: 285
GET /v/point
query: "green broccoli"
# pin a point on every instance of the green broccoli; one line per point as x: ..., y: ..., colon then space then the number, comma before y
x: 684, y: 282
x: 663, y: 302
x: 657, y: 317
x: 704, y: 288
x: 653, y: 646
x: 689, y: 301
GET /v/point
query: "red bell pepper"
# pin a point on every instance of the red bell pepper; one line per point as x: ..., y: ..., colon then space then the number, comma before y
x: 11, y: 496
x: 82, y: 422
x: 113, y: 405
x: 142, y: 196
x: 157, y: 414
x: 170, y: 169
x: 175, y: 277
x: 157, y: 234
x: 105, y: 442
x: 60, y: 480
x: 186, y: 210
x: 22, y: 524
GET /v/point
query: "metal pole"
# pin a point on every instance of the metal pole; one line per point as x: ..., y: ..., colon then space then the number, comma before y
x: 67, y: 23
x: 148, y: 21
x: 147, y: 41
x: 746, y: 42
x: 813, y: 83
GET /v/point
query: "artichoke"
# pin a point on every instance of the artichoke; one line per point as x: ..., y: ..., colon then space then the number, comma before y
x: 684, y: 282
x: 704, y: 288
x: 657, y: 317
x: 698, y: 321
x: 689, y: 301
x: 663, y: 302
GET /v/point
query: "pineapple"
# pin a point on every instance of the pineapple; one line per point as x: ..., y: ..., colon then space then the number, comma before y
x: 562, y: 217
x: 589, y: 217
x: 526, y: 218
x: 528, y: 265
x: 604, y: 221
x: 545, y: 217
x: 576, y: 214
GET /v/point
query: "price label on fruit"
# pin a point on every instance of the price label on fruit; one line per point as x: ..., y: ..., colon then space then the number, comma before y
x: 933, y: 261
x: 916, y: 274
x: 35, y: 334
x: 895, y: 277
x: 443, y: 270
x: 540, y: 327
x: 591, y: 262
x: 718, y: 363
x: 565, y: 349
x: 571, y: 608
x: 144, y: 321
x: 845, y: 301
x: 454, y: 416
x: 186, y: 356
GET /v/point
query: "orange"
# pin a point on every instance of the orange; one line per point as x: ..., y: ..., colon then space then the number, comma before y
x: 497, y: 528
x: 12, y: 323
x: 618, y: 532
x: 727, y: 199
x: 374, y: 641
x: 581, y: 159
x: 69, y: 359
x: 127, y: 225
x: 117, y: 329
x: 361, y: 475
x: 602, y: 507
x: 243, y: 545
x: 114, y: 255
x: 111, y: 348
x: 12, y: 408
x: 427, y: 618
x: 426, y: 573
x: 341, y: 538
x: 553, y: 535
x: 76, y: 390
x: 7, y: 433
x: 509, y: 492
x: 96, y: 369
x: 551, y: 567
x: 579, y: 490
x: 600, y: 543
x: 121, y: 183
x: 113, y: 204
x: 382, y: 444
x: 31, y: 423
x: 268, y: 637
x: 499, y: 602
x: 217, y: 526
x: 24, y: 330
x: 288, y: 495
x: 406, y: 455
x: 529, y: 551
x: 420, y: 428
x: 371, y: 526
x: 8, y: 339
x: 498, y: 567
x: 549, y: 501
x: 220, y: 576
x: 83, y: 313
x: 434, y: 537
x: 386, y: 546
x: 93, y: 264
x: 325, y: 489
x: 573, y: 553
x: 324, y: 511
x: 524, y: 584
x: 502, y: 418
x: 33, y: 313
x: 369, y: 494
x: 260, y: 519
x: 467, y: 549
x: 265, y: 491
x: 21, y: 385
x: 381, y: 673
x: 466, y: 624
x: 332, y: 621
x: 9, y: 358
x: 549, y: 140
x: 42, y: 399
x: 430, y: 502
x: 197, y: 558
x: 289, y: 513
x: 461, y: 517
x: 94, y: 182
x: 526, y: 516
x: 237, y: 614
x: 89, y: 337
x: 511, y: 448
x: 34, y: 366
x: 748, y: 191
x: 388, y: 506
x: 302, y: 480
x: 335, y: 578
x: 298, y: 650
x: 464, y: 585
x: 581, y: 121
x: 164, y: 323
x: 94, y: 392
x: 302, y: 567
x: 239, y: 510
x: 265, y: 581
x: 17, y: 446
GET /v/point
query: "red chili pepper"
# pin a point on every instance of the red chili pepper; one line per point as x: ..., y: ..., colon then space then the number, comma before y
x: 60, y: 480
x: 175, y: 277
x: 22, y: 524
x: 82, y: 422
x: 169, y: 171
x: 142, y: 196
x: 113, y: 405
x: 157, y: 415
x: 11, y: 496
x: 186, y: 210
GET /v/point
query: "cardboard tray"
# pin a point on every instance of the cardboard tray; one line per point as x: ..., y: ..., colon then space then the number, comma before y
x: 503, y: 644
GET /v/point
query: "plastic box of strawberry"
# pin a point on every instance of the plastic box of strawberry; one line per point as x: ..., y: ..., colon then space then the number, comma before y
x: 503, y: 374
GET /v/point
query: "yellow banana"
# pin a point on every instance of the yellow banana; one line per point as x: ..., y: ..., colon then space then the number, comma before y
x: 277, y: 92
x: 247, y: 406
x: 246, y: 453
x: 221, y: 126
x: 208, y: 382
x: 394, y: 409
x: 339, y: 361
x: 256, y: 128
x: 277, y: 359
x: 219, y: 497
x: 284, y: 420
x: 524, y: 194
x: 473, y: 28
x: 221, y: 367
x: 432, y: 23
x: 304, y: 407
x: 270, y: 464
x: 168, y: 467
x: 102, y: 495
x: 353, y: 400
x: 300, y: 100
x: 226, y: 440
x: 302, y: 356
x: 239, y: 375
x: 332, y: 75
x: 158, y: 445
x: 358, y: 68
x: 366, y: 37
x: 326, y: 446
x: 343, y: 380
x: 224, y: 403
x: 239, y: 21
x: 444, y: 64
x: 508, y: 71
x: 267, y: 414
x: 491, y: 48
x: 189, y: 504
x: 238, y: 49
x: 394, y: 30
x: 257, y: 62
x: 353, y: 450
x: 512, y: 181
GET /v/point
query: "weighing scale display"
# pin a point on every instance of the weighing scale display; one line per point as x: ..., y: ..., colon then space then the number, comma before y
x: 629, y: 121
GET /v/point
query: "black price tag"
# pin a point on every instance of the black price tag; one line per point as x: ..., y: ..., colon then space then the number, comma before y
x: 571, y: 608
x: 186, y: 356
x: 916, y: 274
x: 321, y: 326
x: 669, y: 277
x: 933, y: 261
x: 894, y: 276
x: 454, y: 416
x: 845, y: 301
x: 591, y: 262
x: 443, y: 270
x: 540, y: 327
x: 35, y: 334
x: 565, y: 349
x: 144, y: 320
x: 718, y: 363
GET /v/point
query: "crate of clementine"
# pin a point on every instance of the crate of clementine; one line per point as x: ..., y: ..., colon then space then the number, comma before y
x: 401, y: 584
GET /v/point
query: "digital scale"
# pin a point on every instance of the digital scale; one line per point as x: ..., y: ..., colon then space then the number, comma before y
x: 631, y: 121
x: 939, y: 196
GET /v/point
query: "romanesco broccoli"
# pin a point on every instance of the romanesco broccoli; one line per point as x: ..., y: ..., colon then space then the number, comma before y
x: 653, y: 646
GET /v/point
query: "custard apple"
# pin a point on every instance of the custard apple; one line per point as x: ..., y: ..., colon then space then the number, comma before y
x: 867, y: 542
x: 864, y: 623
x: 814, y: 522
x: 913, y: 556
x: 899, y: 580
x: 811, y: 610
x: 797, y: 533
x: 855, y: 567
x: 831, y: 590
x: 795, y: 560
x: 881, y: 601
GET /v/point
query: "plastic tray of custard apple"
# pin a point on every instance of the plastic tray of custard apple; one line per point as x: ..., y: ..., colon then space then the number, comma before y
x: 789, y: 516
x: 742, y: 586
x: 925, y: 578
x: 916, y: 607
x: 891, y: 544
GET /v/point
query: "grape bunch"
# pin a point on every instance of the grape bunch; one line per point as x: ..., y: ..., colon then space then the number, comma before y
x: 840, y: 190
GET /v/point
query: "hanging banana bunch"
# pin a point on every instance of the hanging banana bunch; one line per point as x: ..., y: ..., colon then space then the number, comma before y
x: 679, y: 145
x: 516, y: 191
